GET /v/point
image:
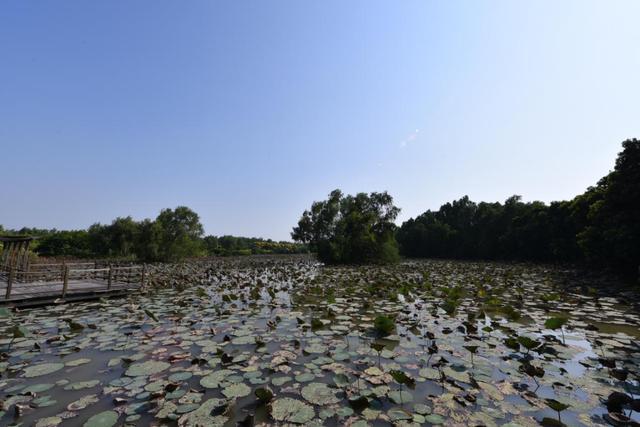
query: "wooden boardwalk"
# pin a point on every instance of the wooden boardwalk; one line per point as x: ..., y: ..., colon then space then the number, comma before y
x: 53, y: 283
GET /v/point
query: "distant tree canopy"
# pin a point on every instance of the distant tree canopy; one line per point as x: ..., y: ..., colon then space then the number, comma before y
x: 233, y: 245
x: 601, y: 226
x: 174, y: 235
x: 350, y: 229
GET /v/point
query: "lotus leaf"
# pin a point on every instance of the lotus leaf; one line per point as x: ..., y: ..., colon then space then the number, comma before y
x: 319, y: 394
x: 291, y: 410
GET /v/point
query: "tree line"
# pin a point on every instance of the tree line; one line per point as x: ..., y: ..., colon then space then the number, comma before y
x: 600, y: 227
x: 174, y: 235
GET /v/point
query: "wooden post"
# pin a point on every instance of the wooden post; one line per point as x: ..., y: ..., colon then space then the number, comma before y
x: 65, y: 280
x: 9, y: 283
x: 110, y: 277
x: 144, y: 270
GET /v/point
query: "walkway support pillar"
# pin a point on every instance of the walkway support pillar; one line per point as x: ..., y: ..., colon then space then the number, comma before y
x: 144, y: 271
x: 65, y: 280
x: 9, y: 282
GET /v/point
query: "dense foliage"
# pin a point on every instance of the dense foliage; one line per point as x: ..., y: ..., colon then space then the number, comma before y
x: 350, y: 229
x: 174, y: 235
x: 601, y: 226
x: 233, y: 245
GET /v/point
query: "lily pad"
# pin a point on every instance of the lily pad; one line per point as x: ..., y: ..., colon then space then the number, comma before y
x: 213, y: 380
x: 37, y: 388
x: 291, y: 410
x: 202, y: 416
x: 83, y: 402
x: 434, y: 419
x: 49, y: 422
x: 103, y: 419
x: 42, y: 369
x: 77, y: 362
x: 150, y: 367
x: 319, y: 394
x: 401, y: 397
x: 82, y: 385
x: 236, y: 390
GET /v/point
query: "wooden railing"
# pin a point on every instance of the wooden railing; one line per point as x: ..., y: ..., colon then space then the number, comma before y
x: 45, y: 275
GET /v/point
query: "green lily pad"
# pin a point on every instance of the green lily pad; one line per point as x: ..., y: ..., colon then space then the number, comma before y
x: 103, y: 419
x: 291, y: 410
x: 319, y: 394
x: 43, y: 402
x: 49, y: 422
x: 434, y: 419
x: 214, y: 379
x: 83, y: 402
x: 42, y: 369
x: 278, y: 381
x: 401, y: 397
x: 82, y: 385
x: 180, y: 376
x: 37, y: 388
x: 236, y: 390
x: 77, y: 362
x: 150, y: 367
x: 202, y: 416
x: 305, y: 377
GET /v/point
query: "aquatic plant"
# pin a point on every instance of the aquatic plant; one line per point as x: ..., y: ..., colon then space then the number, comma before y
x: 557, y: 323
x: 403, y: 379
x: 532, y: 371
x: 316, y: 323
x: 16, y: 331
x: 556, y: 406
x: 384, y: 325
x: 264, y: 394
x: 472, y: 349
x: 512, y: 343
x: 378, y: 347
x: 528, y: 343
x: 449, y: 306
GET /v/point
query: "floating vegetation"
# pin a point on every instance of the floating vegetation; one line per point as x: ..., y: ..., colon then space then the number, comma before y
x: 285, y: 341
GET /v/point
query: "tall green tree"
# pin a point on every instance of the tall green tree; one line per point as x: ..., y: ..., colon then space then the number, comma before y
x: 350, y: 229
x: 148, y: 241
x: 180, y: 234
x: 612, y: 234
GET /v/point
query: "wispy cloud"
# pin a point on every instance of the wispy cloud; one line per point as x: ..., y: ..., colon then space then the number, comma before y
x: 410, y: 138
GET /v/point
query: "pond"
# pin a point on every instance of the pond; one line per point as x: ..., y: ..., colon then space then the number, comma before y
x: 286, y: 341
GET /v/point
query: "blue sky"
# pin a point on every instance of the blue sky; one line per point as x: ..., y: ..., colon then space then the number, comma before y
x: 248, y: 111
